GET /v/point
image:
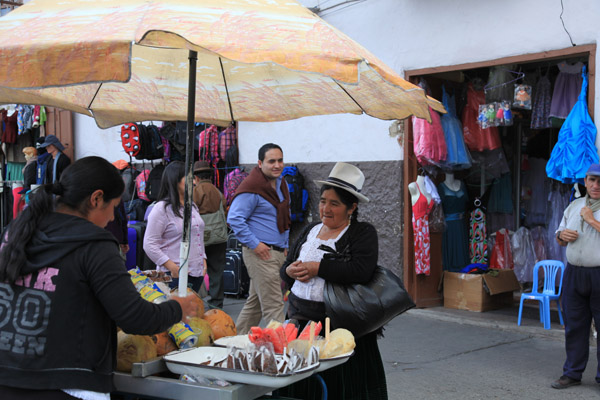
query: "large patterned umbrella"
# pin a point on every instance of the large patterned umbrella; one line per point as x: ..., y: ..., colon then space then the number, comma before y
x: 213, y: 61
x: 258, y: 60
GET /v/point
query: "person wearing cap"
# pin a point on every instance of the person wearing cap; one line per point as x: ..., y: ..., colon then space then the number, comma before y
x: 340, y: 249
x: 260, y: 218
x: 59, y: 161
x: 579, y: 230
x: 211, y: 206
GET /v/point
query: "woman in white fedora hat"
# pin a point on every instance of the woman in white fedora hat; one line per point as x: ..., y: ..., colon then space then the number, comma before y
x: 344, y: 250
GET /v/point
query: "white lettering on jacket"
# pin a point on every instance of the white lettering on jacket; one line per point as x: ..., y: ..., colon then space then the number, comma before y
x: 24, y: 318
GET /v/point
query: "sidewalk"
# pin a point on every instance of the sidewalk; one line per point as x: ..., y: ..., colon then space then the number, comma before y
x: 504, y: 319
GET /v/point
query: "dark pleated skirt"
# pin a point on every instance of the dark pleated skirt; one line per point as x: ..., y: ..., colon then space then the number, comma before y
x: 362, y: 377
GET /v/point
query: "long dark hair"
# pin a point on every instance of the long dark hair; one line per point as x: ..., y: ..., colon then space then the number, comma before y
x: 169, y: 186
x: 347, y: 198
x: 77, y: 183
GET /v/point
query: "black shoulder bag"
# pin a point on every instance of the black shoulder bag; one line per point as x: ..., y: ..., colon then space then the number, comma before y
x: 364, y: 308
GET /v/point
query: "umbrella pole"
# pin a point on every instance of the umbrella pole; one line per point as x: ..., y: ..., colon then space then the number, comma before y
x: 184, y: 248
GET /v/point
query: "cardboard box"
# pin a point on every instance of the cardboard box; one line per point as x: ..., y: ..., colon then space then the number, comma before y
x: 468, y: 291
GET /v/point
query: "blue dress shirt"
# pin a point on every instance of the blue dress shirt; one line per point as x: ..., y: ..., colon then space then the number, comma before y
x: 254, y: 220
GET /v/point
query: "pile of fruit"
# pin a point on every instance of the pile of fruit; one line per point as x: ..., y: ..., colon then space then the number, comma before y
x: 207, y: 326
x: 280, y: 335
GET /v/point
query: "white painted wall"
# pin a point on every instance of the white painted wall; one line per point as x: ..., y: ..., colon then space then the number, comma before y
x: 406, y: 34
x: 93, y: 141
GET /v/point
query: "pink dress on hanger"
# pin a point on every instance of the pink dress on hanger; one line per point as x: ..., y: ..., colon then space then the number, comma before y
x: 429, y: 142
x: 420, y: 221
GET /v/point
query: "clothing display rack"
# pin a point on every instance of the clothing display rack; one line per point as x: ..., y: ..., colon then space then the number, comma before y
x: 506, y: 158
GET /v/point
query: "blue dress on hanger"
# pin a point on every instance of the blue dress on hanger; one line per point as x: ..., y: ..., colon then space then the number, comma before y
x: 458, y: 156
x: 575, y: 150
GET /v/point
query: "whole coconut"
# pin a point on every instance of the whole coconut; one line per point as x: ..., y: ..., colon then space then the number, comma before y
x: 163, y: 343
x: 132, y: 349
x: 221, y: 323
x: 203, y: 330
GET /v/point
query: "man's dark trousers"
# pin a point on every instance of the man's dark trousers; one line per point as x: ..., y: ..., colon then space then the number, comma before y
x: 215, y: 259
x: 581, y: 303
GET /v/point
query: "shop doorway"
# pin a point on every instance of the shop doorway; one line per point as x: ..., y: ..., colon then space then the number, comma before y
x: 519, y: 142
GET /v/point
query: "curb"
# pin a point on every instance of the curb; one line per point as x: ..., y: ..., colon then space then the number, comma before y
x: 555, y: 333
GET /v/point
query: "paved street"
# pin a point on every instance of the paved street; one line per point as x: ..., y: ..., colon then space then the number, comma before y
x: 429, y: 358
x: 439, y: 353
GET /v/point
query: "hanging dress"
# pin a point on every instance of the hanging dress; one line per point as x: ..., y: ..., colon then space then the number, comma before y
x: 458, y: 155
x: 557, y: 202
x: 500, y: 200
x: 478, y: 248
x: 542, y: 99
x: 476, y: 138
x: 455, y: 244
x: 575, y: 149
x: 566, y: 89
x: 535, y: 179
x: 9, y: 134
x: 524, y: 257
x: 420, y: 221
x: 499, y: 80
x: 502, y: 252
x: 429, y: 143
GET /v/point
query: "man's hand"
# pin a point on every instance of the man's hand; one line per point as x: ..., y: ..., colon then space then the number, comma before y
x: 263, y: 251
x: 588, y: 215
x: 569, y: 235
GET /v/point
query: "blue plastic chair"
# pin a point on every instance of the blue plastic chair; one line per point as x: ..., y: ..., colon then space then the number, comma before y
x: 552, y: 269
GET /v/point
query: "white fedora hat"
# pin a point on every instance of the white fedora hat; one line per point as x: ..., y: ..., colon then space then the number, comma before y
x: 348, y: 177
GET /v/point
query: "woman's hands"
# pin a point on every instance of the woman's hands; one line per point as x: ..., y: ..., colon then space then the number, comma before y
x: 302, y: 271
x: 173, y: 268
x: 189, y: 306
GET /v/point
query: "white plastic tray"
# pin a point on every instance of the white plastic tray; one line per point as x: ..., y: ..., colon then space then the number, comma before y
x: 326, y: 363
x: 188, y: 362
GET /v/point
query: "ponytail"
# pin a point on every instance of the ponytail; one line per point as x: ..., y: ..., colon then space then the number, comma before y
x: 20, y: 232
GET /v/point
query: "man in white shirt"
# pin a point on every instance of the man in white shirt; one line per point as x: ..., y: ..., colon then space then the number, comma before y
x: 579, y: 230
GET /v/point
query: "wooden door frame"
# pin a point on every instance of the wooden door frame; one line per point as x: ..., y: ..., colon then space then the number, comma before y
x: 411, y: 280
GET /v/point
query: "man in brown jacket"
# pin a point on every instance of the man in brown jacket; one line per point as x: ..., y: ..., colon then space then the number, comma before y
x: 211, y: 206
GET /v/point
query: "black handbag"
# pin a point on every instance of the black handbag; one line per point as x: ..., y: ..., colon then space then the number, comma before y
x: 364, y: 308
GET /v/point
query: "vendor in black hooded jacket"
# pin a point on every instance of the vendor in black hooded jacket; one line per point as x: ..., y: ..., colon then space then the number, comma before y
x: 64, y: 288
x: 343, y: 250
